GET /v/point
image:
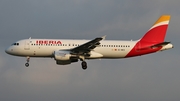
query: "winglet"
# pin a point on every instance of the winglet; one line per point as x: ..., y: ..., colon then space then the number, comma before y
x: 103, y: 38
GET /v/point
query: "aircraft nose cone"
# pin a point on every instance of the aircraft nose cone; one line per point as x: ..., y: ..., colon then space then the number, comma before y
x: 7, y: 50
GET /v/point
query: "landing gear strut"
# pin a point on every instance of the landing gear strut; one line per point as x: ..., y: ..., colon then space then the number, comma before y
x: 27, y: 59
x: 84, y: 65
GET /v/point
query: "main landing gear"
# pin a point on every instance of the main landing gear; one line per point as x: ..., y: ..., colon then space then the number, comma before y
x: 84, y: 65
x: 27, y: 59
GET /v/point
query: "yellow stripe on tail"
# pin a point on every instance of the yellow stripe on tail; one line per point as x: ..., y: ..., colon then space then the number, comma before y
x: 162, y: 19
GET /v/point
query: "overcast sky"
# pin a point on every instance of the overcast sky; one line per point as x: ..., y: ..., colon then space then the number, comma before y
x: 154, y: 77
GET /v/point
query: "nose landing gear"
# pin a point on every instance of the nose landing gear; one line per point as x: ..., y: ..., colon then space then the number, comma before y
x: 27, y: 64
x: 27, y: 59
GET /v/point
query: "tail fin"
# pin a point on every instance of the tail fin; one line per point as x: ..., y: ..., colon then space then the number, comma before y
x: 157, y: 32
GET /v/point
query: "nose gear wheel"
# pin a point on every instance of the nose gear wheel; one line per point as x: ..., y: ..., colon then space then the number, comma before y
x: 27, y: 59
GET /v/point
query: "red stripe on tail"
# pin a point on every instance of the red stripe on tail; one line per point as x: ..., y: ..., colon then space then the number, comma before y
x: 155, y: 35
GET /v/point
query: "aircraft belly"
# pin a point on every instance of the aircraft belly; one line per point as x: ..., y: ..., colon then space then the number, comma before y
x: 113, y: 53
x: 43, y: 52
x: 37, y: 52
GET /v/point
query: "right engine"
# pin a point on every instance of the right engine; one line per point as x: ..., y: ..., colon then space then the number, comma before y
x: 64, y: 57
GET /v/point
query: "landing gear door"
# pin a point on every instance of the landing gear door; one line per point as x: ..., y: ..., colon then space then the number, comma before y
x: 27, y: 45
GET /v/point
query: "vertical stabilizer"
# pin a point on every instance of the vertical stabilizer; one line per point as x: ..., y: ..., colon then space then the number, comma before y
x: 157, y: 32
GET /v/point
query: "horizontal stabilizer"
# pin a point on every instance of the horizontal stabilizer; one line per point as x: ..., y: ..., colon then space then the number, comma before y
x: 160, y: 44
x: 154, y: 46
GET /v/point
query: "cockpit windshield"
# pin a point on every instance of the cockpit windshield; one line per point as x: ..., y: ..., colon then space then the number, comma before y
x: 15, y: 44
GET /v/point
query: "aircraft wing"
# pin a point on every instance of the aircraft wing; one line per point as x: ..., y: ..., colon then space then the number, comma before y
x: 87, y: 47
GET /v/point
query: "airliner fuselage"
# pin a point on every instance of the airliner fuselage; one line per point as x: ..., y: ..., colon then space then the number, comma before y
x: 31, y: 47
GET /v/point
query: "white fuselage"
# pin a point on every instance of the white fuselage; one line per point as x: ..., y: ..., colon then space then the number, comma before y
x: 46, y: 47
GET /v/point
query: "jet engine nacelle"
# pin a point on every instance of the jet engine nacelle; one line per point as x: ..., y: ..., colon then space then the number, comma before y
x: 62, y: 55
x: 64, y: 58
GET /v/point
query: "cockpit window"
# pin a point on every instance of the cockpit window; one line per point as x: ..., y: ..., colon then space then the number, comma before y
x: 16, y: 44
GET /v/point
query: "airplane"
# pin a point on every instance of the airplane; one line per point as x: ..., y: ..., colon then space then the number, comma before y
x: 66, y: 51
